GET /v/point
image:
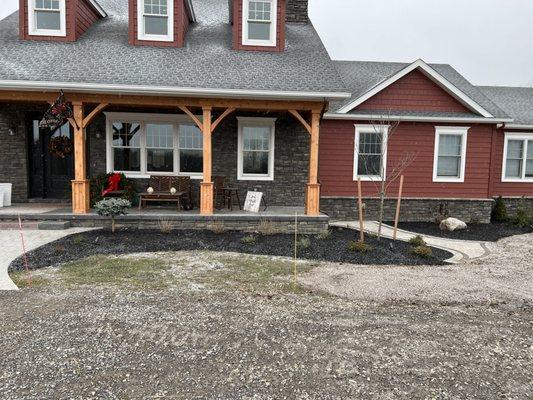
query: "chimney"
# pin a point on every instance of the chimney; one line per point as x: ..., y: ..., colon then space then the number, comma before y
x: 297, y: 11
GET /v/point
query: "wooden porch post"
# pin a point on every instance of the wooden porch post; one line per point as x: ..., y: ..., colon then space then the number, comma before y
x: 80, y: 184
x: 206, y: 187
x: 312, y: 204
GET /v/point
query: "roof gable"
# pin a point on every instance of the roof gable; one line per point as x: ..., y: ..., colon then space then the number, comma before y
x: 430, y: 73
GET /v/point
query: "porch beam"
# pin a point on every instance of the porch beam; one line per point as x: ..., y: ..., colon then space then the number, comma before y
x: 299, y: 117
x: 161, y: 101
x: 198, y: 123
x: 221, y: 118
x: 93, y: 114
x: 206, y: 187
x: 80, y: 184
x: 312, y: 204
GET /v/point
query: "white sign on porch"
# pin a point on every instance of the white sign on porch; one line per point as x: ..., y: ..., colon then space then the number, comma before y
x: 253, y: 201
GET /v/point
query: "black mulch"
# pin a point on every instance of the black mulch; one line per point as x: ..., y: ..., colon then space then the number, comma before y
x: 333, y: 249
x: 484, y: 232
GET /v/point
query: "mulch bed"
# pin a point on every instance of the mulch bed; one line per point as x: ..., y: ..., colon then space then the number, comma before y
x: 482, y: 232
x: 333, y: 249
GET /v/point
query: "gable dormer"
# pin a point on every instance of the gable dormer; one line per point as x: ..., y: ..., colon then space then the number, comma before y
x: 59, y: 20
x: 159, y: 22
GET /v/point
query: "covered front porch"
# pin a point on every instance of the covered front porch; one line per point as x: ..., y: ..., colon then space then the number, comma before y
x: 292, y: 178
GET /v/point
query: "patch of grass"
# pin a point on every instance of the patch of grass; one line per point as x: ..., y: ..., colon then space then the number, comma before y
x: 360, y: 247
x: 303, y: 243
x: 422, y: 251
x: 417, y: 241
x: 267, y: 228
x: 149, y: 273
x: 20, y: 278
x: 165, y: 225
x: 324, y: 235
x: 249, y: 239
x: 78, y: 239
x: 218, y: 228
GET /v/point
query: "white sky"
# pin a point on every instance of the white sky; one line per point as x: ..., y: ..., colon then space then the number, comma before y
x: 488, y: 41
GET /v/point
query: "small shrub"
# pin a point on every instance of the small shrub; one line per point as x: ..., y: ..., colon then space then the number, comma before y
x: 521, y: 219
x: 304, y: 243
x: 422, y: 251
x: 112, y: 208
x: 248, y: 239
x: 360, y: 247
x: 77, y: 240
x: 324, y: 235
x: 417, y: 241
x: 442, y: 213
x: 218, y: 228
x: 267, y: 228
x: 499, y: 212
x: 165, y: 225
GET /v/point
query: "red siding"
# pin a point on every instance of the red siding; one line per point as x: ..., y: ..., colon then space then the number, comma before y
x: 181, y: 24
x: 505, y: 189
x: 414, y: 92
x: 337, y: 158
x: 79, y: 17
x: 238, y: 31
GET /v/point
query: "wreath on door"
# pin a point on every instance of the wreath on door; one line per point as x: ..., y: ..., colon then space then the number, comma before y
x: 60, y: 147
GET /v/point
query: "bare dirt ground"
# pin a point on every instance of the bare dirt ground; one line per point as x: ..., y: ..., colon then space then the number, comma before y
x: 190, y: 325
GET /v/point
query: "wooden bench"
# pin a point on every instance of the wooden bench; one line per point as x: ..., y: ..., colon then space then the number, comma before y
x: 162, y: 186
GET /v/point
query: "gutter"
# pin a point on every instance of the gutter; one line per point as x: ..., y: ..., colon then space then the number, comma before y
x: 518, y: 126
x: 366, y: 117
x: 169, y: 91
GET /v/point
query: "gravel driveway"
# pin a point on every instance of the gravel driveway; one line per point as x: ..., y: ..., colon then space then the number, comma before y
x: 232, y: 327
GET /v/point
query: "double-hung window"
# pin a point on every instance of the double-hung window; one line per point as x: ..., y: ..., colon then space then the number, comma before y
x: 518, y: 158
x: 449, y: 162
x: 141, y: 145
x: 259, y: 22
x: 46, y: 17
x: 370, y: 153
x: 155, y: 20
x: 256, y: 149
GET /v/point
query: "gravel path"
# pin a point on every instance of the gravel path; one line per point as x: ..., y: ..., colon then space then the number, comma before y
x: 505, y: 274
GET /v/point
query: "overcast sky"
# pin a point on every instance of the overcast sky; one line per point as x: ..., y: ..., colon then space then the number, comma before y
x: 488, y: 41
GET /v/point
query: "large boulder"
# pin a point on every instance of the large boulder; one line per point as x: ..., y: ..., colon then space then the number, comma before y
x: 452, y: 224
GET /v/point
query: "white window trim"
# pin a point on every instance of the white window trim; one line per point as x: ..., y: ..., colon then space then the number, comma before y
x: 253, y: 121
x: 450, y: 130
x: 273, y: 26
x: 32, y: 22
x: 524, y: 136
x: 156, y: 38
x: 370, y: 129
x: 143, y: 119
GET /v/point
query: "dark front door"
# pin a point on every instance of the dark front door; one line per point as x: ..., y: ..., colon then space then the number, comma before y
x: 50, y: 175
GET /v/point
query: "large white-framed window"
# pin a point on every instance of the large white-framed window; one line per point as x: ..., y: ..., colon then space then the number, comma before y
x: 255, y: 161
x: 370, y: 152
x: 518, y: 157
x: 155, y: 20
x: 141, y: 145
x: 449, y: 160
x: 47, y: 18
x: 259, y: 22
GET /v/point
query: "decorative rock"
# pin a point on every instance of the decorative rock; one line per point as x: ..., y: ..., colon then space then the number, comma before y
x: 452, y: 224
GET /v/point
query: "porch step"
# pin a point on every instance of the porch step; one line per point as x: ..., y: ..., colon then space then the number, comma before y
x: 53, y: 225
x: 12, y: 225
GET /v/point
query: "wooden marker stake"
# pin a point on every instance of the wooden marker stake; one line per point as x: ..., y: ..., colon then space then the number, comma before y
x: 398, y: 206
x: 360, y: 207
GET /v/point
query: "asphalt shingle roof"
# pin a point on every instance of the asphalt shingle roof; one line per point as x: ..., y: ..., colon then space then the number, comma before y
x: 516, y: 101
x: 361, y: 76
x: 103, y: 56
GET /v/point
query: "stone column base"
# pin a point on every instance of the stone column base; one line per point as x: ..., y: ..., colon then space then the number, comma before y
x: 81, y: 197
x: 312, y: 201
x: 206, y: 198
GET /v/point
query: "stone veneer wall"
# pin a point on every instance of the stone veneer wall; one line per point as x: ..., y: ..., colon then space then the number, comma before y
x: 291, y: 164
x: 413, y: 210
x: 513, y: 203
x: 297, y: 11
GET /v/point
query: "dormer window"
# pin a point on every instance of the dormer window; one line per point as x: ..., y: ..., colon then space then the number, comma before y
x: 155, y: 20
x: 259, y: 22
x: 46, y: 17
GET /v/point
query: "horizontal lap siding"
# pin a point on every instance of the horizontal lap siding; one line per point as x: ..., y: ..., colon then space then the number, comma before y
x: 337, y: 158
x: 86, y: 16
x: 414, y: 92
x: 506, y: 189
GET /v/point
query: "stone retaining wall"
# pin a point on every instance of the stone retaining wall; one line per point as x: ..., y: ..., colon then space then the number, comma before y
x: 413, y: 210
x: 513, y: 203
